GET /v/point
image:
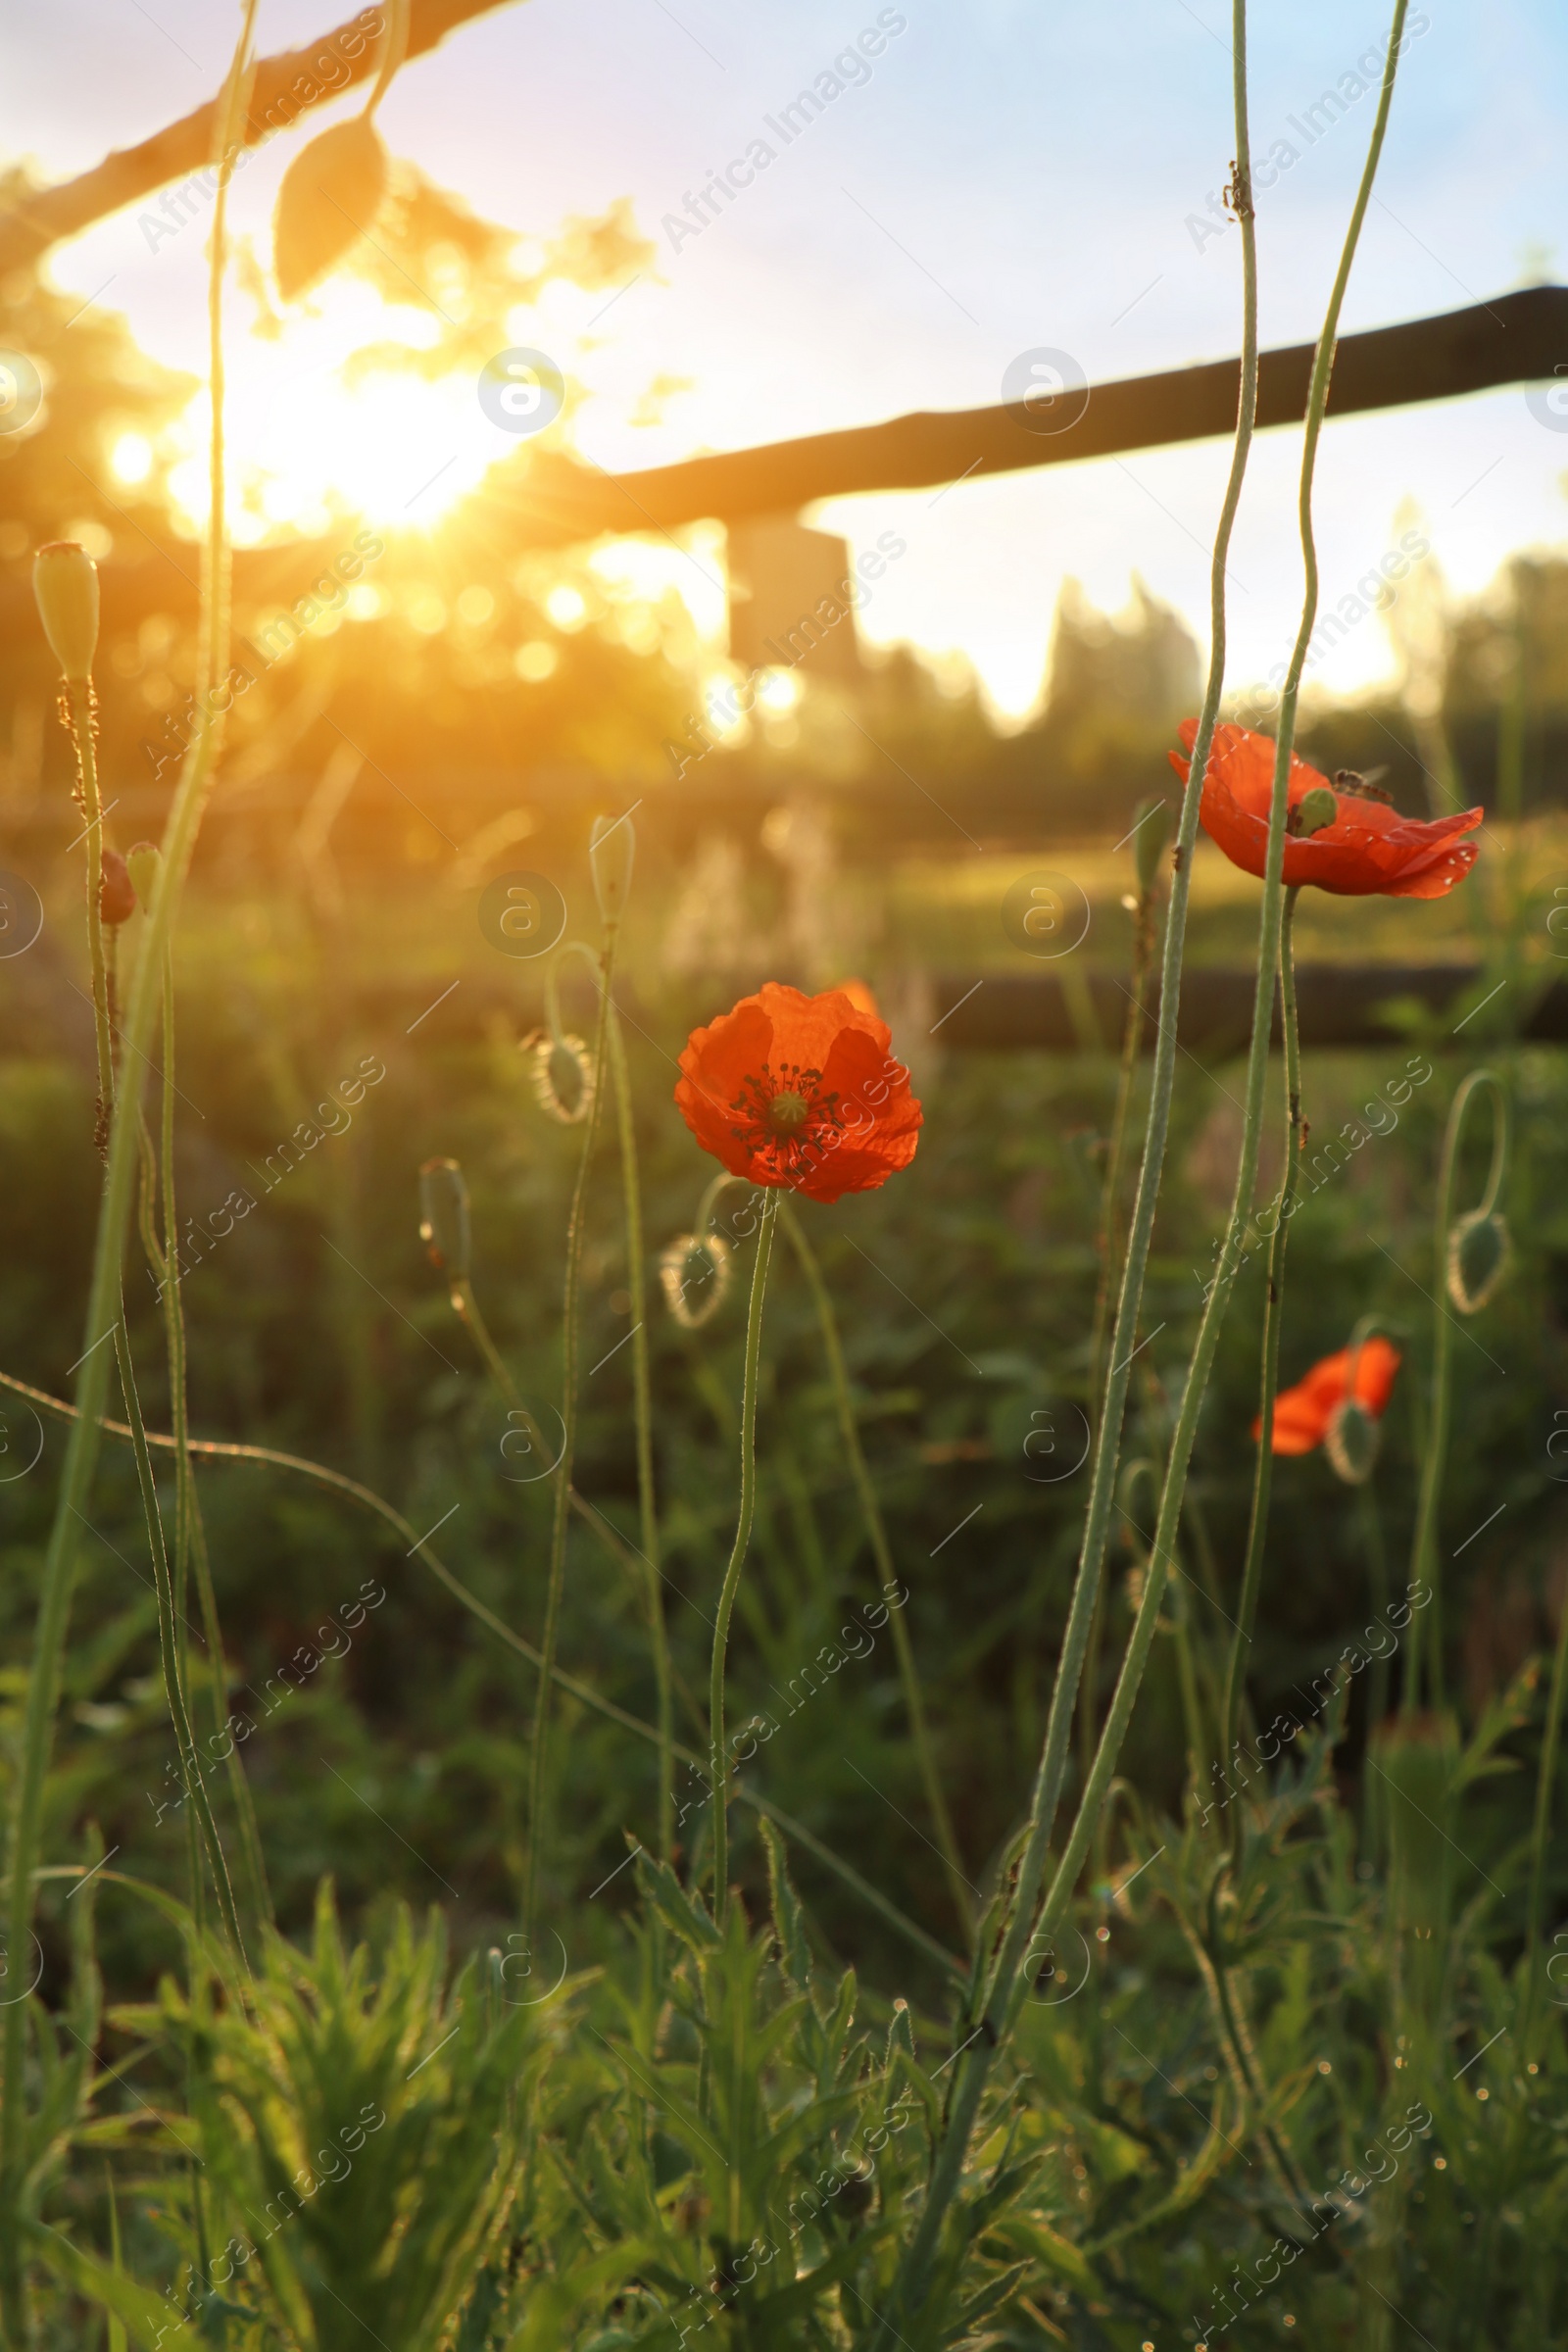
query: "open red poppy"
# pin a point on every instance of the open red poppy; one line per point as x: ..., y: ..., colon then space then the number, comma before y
x: 1302, y: 1415
x: 1369, y: 850
x: 802, y: 1092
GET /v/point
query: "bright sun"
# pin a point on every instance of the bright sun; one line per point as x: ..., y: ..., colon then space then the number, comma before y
x: 307, y: 443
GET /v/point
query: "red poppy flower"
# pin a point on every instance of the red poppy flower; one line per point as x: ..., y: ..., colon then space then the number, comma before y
x: 801, y: 1092
x: 1369, y: 850
x: 1302, y: 1415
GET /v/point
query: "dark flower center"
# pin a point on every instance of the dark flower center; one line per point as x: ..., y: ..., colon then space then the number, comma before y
x: 783, y: 1117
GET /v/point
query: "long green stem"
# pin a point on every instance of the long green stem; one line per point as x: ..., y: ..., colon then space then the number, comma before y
x: 104, y: 1299
x: 1269, y: 1381
x: 1107, y: 1284
x: 882, y: 1553
x: 1425, y: 1562
x: 643, y: 1418
x: 190, y: 1536
x: 570, y: 1335
x: 718, y: 1749
x: 172, y: 1648
x: 81, y: 706
x: 413, y: 1544
x: 990, y: 2015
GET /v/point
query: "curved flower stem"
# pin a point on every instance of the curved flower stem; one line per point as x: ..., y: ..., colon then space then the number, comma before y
x: 643, y: 1414
x: 719, y: 1754
x: 1110, y: 1219
x: 1273, y: 1317
x: 1425, y: 1563
x: 412, y: 1544
x: 571, y: 1314
x: 881, y: 1553
x: 989, y: 2013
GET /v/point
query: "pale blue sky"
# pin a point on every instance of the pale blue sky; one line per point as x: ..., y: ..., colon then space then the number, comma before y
x: 1005, y: 177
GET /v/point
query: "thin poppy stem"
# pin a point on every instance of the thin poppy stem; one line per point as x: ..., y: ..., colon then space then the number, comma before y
x: 1232, y: 1250
x: 718, y: 1753
x: 643, y: 1420
x: 882, y: 1553
x: 571, y: 1317
x: 1377, y: 1688
x: 81, y: 710
x: 1110, y: 1271
x: 103, y: 1297
x: 991, y: 2012
x: 1425, y: 1563
x: 171, y: 1648
x: 1269, y: 1379
x: 190, y: 1536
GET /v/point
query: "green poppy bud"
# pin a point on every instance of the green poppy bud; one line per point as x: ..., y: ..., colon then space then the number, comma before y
x: 563, y: 1075
x: 117, y: 899
x: 444, y: 1217
x: 612, y: 848
x: 65, y: 581
x: 1479, y: 1251
x: 1150, y: 839
x: 142, y: 863
x: 1315, y: 810
x: 694, y: 1276
x: 328, y: 199
x: 1353, y: 1442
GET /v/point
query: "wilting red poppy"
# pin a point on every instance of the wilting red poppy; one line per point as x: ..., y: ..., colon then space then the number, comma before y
x: 1368, y: 850
x: 1302, y: 1415
x: 801, y: 1092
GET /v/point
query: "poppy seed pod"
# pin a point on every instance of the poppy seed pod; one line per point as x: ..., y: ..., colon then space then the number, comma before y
x: 444, y: 1217
x: 1150, y: 839
x: 1314, y: 810
x: 65, y: 581
x: 117, y: 894
x: 694, y: 1276
x: 142, y: 863
x: 1353, y: 1442
x: 611, y: 849
x: 1479, y: 1251
x: 329, y: 197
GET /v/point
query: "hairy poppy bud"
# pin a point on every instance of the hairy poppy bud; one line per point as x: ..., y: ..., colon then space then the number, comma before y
x: 142, y: 863
x: 562, y: 1077
x: 694, y: 1276
x: 1353, y: 1442
x: 1150, y: 839
x: 65, y: 581
x: 612, y: 848
x: 1315, y: 810
x: 1479, y: 1251
x: 329, y: 197
x: 444, y: 1217
x: 117, y: 896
